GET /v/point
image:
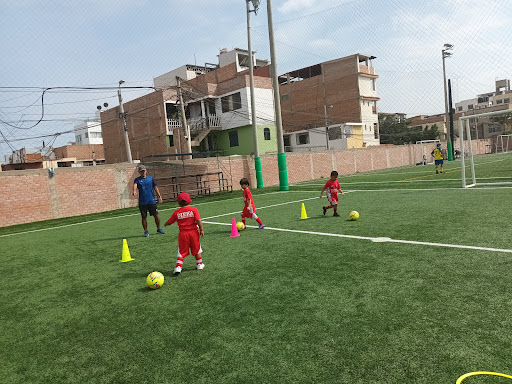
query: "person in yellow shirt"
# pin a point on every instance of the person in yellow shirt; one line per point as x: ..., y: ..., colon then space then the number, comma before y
x: 438, y: 157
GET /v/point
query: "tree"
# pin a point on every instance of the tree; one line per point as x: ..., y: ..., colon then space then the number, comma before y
x: 397, y: 132
x: 505, y: 121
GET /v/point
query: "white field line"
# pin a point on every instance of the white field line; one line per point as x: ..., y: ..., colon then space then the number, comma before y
x: 267, y: 206
x: 377, y: 239
x: 390, y: 172
x: 133, y: 214
x: 403, y: 181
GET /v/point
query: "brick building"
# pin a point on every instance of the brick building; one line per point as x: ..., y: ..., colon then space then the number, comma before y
x: 217, y: 107
x: 334, y: 93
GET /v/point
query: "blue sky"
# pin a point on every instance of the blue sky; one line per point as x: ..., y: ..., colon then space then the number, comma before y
x: 95, y: 43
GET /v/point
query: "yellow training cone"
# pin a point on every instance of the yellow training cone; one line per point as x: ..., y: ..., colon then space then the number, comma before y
x: 303, y: 214
x: 126, y: 253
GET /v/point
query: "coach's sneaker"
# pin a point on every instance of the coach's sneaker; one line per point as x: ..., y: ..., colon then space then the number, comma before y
x: 200, y: 266
x: 177, y: 270
x: 146, y: 233
x: 336, y: 215
x: 325, y: 210
x: 160, y: 231
x: 261, y: 226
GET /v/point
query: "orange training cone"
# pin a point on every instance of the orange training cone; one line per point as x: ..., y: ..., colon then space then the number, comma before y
x: 234, y: 229
x: 126, y: 252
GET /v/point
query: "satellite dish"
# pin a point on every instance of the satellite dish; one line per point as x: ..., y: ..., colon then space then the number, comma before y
x: 105, y: 105
x: 98, y: 107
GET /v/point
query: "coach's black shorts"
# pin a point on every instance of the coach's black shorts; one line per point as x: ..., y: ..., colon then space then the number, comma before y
x: 153, y: 210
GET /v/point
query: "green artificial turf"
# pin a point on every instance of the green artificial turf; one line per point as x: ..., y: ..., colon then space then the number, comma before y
x: 271, y: 306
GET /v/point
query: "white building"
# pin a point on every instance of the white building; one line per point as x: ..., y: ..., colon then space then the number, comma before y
x: 341, y: 136
x: 89, y: 131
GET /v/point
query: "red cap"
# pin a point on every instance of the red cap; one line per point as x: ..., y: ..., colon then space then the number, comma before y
x: 184, y: 196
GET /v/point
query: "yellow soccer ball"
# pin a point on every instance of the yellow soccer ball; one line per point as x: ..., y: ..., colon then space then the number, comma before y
x: 354, y: 215
x: 240, y: 226
x: 155, y: 280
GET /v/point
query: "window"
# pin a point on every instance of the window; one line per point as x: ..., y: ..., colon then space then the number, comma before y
x: 506, y: 101
x: 375, y: 131
x: 470, y: 106
x: 95, y: 135
x: 302, y: 138
x: 266, y: 133
x: 231, y: 102
x: 499, y: 101
x: 334, y: 133
x: 171, y: 140
x: 86, y: 135
x: 233, y: 139
x: 78, y: 139
x: 373, y: 84
x: 286, y: 141
x: 459, y: 109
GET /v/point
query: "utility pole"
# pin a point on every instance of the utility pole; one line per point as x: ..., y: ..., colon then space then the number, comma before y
x: 257, y: 159
x: 445, y: 54
x: 122, y: 115
x: 281, y: 155
x: 184, y: 119
x: 326, y: 127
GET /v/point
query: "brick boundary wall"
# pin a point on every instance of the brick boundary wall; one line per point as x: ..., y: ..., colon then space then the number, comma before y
x: 31, y: 195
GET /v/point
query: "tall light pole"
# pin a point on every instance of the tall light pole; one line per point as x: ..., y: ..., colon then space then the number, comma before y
x: 445, y: 54
x: 281, y: 155
x: 257, y: 159
x: 122, y: 115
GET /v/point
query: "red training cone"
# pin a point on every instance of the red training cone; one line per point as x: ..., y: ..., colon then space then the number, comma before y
x: 234, y: 229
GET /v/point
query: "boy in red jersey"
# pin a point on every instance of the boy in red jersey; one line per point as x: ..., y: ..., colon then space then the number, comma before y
x: 332, y: 186
x: 188, y: 221
x: 249, y: 208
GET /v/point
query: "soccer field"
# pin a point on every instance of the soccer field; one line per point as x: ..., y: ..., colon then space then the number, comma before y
x: 418, y: 290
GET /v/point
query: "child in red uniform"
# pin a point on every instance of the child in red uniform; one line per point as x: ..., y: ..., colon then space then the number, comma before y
x: 332, y: 186
x: 249, y: 208
x: 188, y: 221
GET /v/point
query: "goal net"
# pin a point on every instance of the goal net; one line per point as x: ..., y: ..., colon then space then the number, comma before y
x: 426, y: 147
x: 492, y: 169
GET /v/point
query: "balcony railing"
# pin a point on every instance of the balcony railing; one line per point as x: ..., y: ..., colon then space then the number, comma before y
x: 195, y: 123
x: 366, y: 69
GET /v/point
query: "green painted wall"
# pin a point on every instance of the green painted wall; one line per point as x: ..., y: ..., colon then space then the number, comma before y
x: 245, y: 140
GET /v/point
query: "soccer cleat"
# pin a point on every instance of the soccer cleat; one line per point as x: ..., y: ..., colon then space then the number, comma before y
x: 437, y: 172
x: 336, y: 214
x: 261, y: 226
x: 177, y: 270
x: 159, y: 230
x: 200, y: 266
x: 146, y: 233
x: 325, y: 210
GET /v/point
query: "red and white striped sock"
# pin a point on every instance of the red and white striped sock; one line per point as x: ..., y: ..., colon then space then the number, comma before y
x: 199, y: 260
x: 179, y: 262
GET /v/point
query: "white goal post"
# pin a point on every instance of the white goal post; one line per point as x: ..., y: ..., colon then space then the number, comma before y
x: 464, y: 121
x: 502, y: 143
x: 426, y: 149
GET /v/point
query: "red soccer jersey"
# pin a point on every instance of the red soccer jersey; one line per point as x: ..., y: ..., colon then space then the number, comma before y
x: 332, y: 187
x: 186, y: 218
x: 248, y: 196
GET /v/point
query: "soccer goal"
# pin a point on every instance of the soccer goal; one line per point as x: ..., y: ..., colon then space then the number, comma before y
x: 492, y: 175
x: 427, y: 146
x: 503, y: 143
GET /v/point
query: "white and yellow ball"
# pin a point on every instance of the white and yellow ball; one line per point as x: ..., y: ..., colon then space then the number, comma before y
x: 155, y: 280
x: 240, y: 226
x: 354, y: 215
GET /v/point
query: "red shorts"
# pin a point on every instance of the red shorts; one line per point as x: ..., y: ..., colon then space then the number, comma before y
x: 332, y: 198
x: 246, y: 213
x: 189, y: 240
